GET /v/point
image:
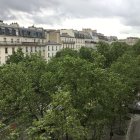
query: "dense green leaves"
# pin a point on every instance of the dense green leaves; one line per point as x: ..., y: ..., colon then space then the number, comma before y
x: 76, y: 95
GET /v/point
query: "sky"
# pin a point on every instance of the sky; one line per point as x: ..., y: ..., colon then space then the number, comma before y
x: 111, y: 17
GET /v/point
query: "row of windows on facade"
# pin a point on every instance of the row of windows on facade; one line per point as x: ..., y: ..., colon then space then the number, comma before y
x: 21, y: 32
x: 72, y: 40
x: 54, y: 48
x: 12, y: 40
x: 68, y: 46
x: 6, y: 58
x: 27, y: 49
x: 51, y: 55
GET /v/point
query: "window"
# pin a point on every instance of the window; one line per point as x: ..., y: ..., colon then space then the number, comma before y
x: 4, y: 39
x: 13, y: 50
x: 56, y: 48
x: 48, y: 54
x: 52, y: 48
x: 11, y: 40
x: 48, y: 48
x: 31, y: 49
x: 17, y: 40
x: 26, y: 49
x: 6, y: 50
x: 35, y: 49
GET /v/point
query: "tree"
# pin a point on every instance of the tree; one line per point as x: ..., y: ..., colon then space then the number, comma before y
x: 16, y: 57
x: 81, y: 92
x: 22, y: 96
x: 67, y: 51
x: 117, y: 50
x: 92, y: 56
x: 104, y: 49
x: 136, y: 48
x: 60, y: 121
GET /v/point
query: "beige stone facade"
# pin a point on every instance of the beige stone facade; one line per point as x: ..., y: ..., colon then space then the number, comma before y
x: 48, y: 42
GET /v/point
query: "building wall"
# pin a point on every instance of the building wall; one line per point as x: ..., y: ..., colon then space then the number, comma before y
x: 51, y: 50
x: 54, y: 36
x: 17, y: 39
x: 6, y: 51
x: 70, y: 32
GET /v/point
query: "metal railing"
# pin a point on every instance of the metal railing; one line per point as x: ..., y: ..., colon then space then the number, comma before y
x: 68, y: 42
x: 14, y: 43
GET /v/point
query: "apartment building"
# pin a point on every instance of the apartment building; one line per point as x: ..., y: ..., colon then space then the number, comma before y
x: 130, y: 40
x: 12, y: 37
x: 76, y: 39
x: 51, y: 49
x: 48, y: 42
x: 67, y: 41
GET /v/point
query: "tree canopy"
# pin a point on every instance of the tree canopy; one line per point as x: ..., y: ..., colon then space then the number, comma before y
x: 76, y: 95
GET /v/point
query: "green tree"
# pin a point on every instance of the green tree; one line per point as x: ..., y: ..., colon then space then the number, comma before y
x: 117, y: 50
x: 16, y: 57
x: 22, y: 95
x: 67, y: 51
x: 60, y: 121
x: 92, y: 56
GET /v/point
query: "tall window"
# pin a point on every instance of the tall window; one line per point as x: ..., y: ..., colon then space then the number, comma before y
x: 26, y: 49
x: 17, y: 40
x: 52, y: 48
x: 4, y: 39
x: 35, y: 49
x: 13, y: 50
x: 31, y: 49
x: 11, y: 40
x: 48, y: 48
x: 48, y: 54
x: 6, y: 50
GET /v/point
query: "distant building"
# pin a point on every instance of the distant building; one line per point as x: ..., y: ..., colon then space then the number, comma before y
x: 48, y: 42
x: 51, y: 49
x: 130, y: 40
x: 76, y: 39
x: 12, y: 37
x: 112, y: 38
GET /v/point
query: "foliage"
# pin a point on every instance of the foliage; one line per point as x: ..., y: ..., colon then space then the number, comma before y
x: 60, y: 120
x: 16, y: 57
x: 76, y: 95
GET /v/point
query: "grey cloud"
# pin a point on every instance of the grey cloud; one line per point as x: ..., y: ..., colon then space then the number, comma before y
x: 126, y: 10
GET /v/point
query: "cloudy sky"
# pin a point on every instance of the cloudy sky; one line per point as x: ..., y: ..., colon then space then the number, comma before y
x: 111, y: 17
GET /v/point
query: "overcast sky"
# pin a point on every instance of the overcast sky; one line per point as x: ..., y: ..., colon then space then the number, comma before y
x: 111, y: 17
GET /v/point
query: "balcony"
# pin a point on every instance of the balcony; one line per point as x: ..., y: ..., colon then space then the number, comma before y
x: 14, y: 43
x: 9, y: 43
x: 68, y: 42
x: 33, y: 43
